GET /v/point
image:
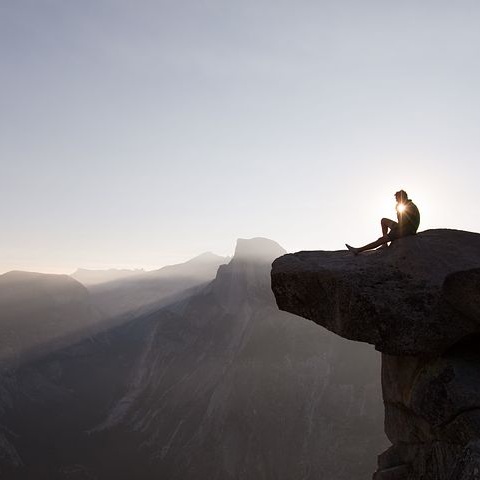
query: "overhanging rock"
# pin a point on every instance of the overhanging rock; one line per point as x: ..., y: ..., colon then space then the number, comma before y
x: 419, y: 296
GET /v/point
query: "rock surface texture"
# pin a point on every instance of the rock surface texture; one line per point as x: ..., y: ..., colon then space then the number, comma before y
x: 418, y: 302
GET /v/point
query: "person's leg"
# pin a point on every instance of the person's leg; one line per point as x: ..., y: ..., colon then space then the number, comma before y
x: 386, y: 224
x: 381, y: 241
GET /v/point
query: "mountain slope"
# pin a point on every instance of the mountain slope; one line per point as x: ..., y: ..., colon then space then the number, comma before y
x: 39, y: 311
x: 241, y: 390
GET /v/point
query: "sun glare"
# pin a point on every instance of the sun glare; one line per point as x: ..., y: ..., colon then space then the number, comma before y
x: 401, y: 207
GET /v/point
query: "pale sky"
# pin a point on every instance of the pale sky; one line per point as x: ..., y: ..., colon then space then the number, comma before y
x: 141, y: 133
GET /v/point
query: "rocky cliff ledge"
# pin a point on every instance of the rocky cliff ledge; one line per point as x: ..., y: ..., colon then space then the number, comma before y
x: 418, y: 302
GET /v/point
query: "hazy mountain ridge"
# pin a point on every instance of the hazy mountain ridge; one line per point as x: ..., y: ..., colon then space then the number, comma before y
x: 89, y: 277
x: 147, y: 292
x: 96, y: 277
x: 41, y: 310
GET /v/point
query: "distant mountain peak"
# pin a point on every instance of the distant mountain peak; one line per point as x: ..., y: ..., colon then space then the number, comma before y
x: 207, y: 257
x: 96, y: 277
x: 258, y: 248
x: 25, y: 277
x: 113, y: 270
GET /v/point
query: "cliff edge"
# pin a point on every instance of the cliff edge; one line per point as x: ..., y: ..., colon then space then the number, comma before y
x: 418, y: 302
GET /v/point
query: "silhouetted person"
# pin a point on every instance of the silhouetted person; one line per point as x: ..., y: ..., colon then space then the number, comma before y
x: 408, y: 218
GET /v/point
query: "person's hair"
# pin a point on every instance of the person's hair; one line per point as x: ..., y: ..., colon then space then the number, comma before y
x: 401, y: 196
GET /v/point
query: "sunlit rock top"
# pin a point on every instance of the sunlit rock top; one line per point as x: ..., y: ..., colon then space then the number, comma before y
x: 420, y: 295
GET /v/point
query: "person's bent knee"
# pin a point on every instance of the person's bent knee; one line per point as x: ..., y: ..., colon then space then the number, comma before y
x: 386, y: 222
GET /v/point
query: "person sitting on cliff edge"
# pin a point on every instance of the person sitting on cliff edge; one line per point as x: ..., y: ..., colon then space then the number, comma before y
x: 408, y: 218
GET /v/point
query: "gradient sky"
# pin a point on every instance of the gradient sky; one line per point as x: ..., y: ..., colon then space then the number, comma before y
x: 141, y: 133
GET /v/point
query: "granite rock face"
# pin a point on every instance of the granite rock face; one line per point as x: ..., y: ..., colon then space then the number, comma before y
x: 418, y: 302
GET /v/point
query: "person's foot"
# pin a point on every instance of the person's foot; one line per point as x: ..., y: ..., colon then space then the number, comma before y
x: 352, y: 249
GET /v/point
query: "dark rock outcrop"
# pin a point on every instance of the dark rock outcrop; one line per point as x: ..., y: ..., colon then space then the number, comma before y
x: 418, y: 302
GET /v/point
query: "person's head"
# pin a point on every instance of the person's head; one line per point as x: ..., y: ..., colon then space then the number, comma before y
x: 401, y: 196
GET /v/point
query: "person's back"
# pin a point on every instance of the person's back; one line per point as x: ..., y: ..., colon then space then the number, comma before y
x: 408, y: 218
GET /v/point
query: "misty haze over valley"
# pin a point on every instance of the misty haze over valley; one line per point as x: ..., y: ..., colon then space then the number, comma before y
x: 187, y: 372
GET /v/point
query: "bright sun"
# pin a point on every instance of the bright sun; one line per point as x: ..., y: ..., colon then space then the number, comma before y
x: 401, y: 207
